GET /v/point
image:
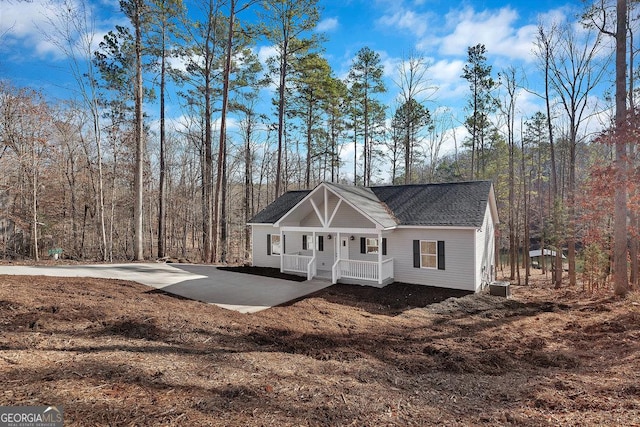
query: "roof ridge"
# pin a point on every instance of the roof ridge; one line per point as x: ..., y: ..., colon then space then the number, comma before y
x: 479, y: 181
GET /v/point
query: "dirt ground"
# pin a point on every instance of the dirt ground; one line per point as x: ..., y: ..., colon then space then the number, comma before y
x: 118, y: 353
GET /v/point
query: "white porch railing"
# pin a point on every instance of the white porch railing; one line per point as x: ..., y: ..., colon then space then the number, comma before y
x: 335, y: 271
x: 366, y: 270
x: 343, y: 268
x: 297, y: 263
x: 387, y: 269
x: 362, y: 270
x: 311, y: 268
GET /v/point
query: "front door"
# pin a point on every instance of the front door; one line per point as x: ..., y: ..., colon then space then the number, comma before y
x: 344, y: 248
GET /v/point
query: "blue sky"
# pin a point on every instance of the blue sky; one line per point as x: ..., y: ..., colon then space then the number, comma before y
x: 439, y: 30
x: 394, y: 28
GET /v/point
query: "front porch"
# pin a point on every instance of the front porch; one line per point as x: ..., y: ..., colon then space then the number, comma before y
x: 337, y: 256
x: 358, y: 271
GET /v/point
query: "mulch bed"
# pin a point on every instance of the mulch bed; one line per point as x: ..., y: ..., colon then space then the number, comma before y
x: 263, y: 271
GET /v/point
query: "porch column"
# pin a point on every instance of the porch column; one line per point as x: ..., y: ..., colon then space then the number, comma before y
x: 336, y: 256
x: 379, y: 257
x: 315, y: 244
x: 282, y: 252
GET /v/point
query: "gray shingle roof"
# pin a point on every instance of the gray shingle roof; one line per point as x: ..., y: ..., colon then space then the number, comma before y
x: 461, y: 204
x: 279, y: 207
x: 458, y: 204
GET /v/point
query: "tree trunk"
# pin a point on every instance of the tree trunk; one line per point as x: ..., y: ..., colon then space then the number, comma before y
x: 525, y: 192
x: 34, y: 200
x: 366, y: 173
x: 220, y: 226
x: 571, y: 228
x: 138, y: 248
x: 281, y: 106
x: 162, y: 178
x: 634, y: 245
x: 355, y: 153
x: 207, y: 173
x: 307, y: 173
x: 620, y: 276
x: 247, y: 190
x: 557, y: 270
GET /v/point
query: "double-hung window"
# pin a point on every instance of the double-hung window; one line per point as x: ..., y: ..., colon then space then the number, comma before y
x: 307, y: 242
x: 276, y: 247
x: 372, y: 246
x: 428, y: 254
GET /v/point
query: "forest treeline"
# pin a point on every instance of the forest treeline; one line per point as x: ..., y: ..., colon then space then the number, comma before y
x: 95, y: 175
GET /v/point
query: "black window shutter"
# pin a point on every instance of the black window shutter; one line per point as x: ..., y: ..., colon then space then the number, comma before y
x: 304, y: 242
x: 363, y: 245
x: 284, y: 244
x: 268, y: 244
x: 416, y: 253
x: 384, y: 246
x: 440, y: 254
x: 321, y: 243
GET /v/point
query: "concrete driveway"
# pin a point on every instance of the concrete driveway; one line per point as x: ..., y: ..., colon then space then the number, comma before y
x: 245, y: 293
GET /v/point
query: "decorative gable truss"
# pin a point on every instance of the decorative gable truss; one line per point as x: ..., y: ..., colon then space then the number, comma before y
x: 327, y: 208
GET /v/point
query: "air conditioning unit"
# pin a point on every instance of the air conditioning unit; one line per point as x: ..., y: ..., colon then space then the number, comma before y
x: 500, y: 289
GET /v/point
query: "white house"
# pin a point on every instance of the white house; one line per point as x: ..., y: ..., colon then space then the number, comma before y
x: 428, y: 234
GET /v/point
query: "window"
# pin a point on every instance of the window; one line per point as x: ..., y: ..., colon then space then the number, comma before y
x: 275, y: 245
x: 372, y: 246
x: 428, y: 254
x: 307, y: 242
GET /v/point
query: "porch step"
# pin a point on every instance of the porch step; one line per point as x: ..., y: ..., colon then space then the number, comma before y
x: 323, y: 275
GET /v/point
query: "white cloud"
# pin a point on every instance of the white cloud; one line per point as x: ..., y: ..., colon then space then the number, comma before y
x: 25, y: 23
x: 498, y: 29
x: 403, y: 19
x: 327, y: 25
x: 445, y: 76
x: 527, y: 103
x: 266, y: 52
x: 453, y: 140
x: 495, y: 29
x: 389, y: 64
x: 34, y: 26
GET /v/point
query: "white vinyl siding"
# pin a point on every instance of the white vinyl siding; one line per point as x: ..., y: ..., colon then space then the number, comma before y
x: 260, y: 258
x: 355, y: 248
x: 326, y: 257
x: 459, y: 257
x: 347, y: 217
x: 311, y: 220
